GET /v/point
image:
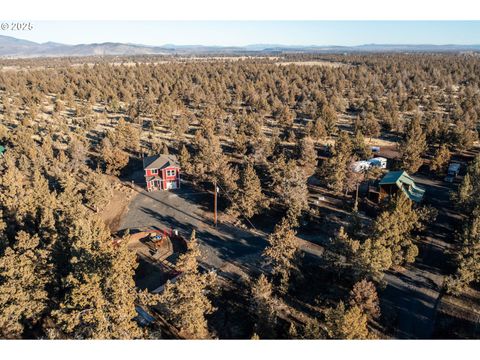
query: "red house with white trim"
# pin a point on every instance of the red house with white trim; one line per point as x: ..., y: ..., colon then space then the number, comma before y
x: 162, y: 172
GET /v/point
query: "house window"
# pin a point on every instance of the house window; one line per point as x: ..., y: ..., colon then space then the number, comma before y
x: 170, y: 172
x: 154, y: 171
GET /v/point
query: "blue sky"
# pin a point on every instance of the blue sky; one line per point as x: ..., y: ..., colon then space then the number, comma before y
x: 254, y: 32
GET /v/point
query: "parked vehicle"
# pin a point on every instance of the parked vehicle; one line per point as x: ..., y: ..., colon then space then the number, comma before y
x: 379, y: 162
x: 359, y: 166
x: 452, y: 172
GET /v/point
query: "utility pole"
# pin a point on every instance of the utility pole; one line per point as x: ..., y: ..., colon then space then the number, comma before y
x: 215, y: 201
x: 355, y: 206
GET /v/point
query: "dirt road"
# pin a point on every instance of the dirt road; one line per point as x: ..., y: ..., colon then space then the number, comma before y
x: 415, y: 293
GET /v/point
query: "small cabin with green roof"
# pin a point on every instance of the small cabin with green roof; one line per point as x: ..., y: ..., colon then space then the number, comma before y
x: 394, y: 181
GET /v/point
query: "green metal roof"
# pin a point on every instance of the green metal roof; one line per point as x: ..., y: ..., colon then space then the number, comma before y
x: 2, y: 149
x: 405, y: 183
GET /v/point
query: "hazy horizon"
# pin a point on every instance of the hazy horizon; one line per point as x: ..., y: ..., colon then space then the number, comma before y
x: 243, y: 33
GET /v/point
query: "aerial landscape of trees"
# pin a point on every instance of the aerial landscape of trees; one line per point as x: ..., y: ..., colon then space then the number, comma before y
x: 271, y: 137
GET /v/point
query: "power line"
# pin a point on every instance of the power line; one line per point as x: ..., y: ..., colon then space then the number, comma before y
x: 240, y: 211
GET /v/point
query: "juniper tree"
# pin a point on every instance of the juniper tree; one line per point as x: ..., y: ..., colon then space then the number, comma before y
x: 372, y: 259
x: 249, y: 199
x: 98, y: 192
x: 413, y: 146
x: 125, y: 136
x: 319, y: 131
x: 468, y: 250
x: 99, y: 294
x: 359, y: 148
x: 343, y: 249
x: 393, y: 229
x: 185, y: 160
x: 25, y: 272
x: 348, y: 323
x: 469, y: 187
x: 440, y: 159
x: 390, y: 241
x: 335, y: 170
x: 330, y: 119
x: 290, y: 187
x: 307, y: 156
x: 185, y: 302
x: 281, y: 253
x: 468, y: 257
x: 364, y: 295
x: 464, y: 134
x: 370, y: 126
x: 209, y: 162
x: 263, y: 307
x: 113, y: 158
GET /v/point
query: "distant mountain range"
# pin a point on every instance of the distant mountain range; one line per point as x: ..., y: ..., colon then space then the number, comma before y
x: 16, y: 48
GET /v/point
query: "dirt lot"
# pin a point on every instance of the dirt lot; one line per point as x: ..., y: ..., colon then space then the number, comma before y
x: 117, y: 206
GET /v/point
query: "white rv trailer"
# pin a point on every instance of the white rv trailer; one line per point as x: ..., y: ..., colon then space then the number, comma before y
x: 359, y: 166
x: 379, y: 162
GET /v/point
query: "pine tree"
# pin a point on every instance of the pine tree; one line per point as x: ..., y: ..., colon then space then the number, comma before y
x: 281, y: 253
x: 185, y: 302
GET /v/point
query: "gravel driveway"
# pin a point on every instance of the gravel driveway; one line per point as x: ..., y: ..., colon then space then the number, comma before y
x: 181, y: 210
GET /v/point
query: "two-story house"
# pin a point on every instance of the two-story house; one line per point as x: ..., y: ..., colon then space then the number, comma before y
x: 162, y: 172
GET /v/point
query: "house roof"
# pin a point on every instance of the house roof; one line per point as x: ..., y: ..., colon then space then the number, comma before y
x: 2, y: 149
x: 160, y: 162
x: 405, y: 183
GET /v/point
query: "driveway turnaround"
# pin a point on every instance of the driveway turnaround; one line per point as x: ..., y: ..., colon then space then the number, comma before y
x: 224, y: 246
